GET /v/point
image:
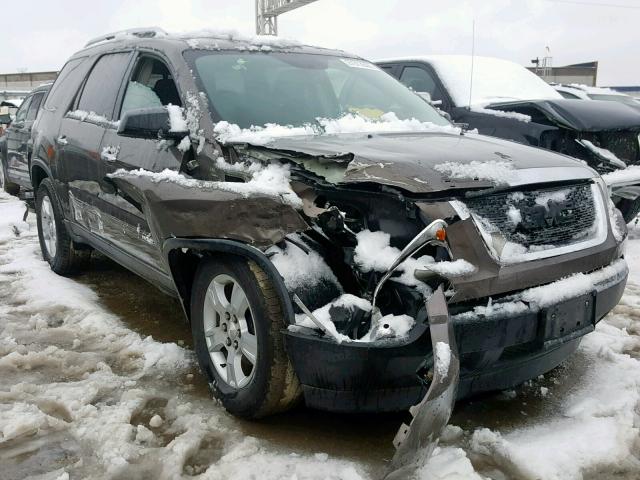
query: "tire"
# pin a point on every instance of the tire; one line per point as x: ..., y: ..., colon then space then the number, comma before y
x: 57, y: 247
x: 7, y: 186
x: 270, y: 384
x: 629, y: 208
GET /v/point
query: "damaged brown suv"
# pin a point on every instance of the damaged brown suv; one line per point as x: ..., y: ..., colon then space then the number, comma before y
x: 325, y: 229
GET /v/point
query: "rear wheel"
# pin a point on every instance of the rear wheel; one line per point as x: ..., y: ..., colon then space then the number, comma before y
x: 7, y: 186
x: 236, y: 323
x: 629, y: 208
x: 57, y: 247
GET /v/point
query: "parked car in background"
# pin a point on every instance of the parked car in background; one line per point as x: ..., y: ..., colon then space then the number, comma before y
x: 575, y: 91
x: 303, y: 206
x: 8, y: 111
x: 15, y: 144
x: 508, y: 101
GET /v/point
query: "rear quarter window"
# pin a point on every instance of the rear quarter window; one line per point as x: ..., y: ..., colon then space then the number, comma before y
x: 67, y: 83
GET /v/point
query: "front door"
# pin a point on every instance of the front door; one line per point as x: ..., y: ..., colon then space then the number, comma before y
x: 150, y: 84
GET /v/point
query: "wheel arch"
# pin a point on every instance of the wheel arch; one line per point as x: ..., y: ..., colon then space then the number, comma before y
x: 183, y: 256
x: 38, y: 171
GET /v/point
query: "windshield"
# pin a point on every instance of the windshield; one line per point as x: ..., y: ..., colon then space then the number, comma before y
x: 494, y: 80
x: 613, y: 98
x: 258, y: 88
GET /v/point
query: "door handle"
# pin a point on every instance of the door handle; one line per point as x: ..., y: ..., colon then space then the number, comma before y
x: 62, y: 140
x: 110, y: 153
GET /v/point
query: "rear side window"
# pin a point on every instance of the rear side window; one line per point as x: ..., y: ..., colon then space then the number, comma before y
x: 67, y: 83
x: 101, y: 88
x: 34, y: 107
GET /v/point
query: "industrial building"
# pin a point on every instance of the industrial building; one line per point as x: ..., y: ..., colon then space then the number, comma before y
x: 17, y: 85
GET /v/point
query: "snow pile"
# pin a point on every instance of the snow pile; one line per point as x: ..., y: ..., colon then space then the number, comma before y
x: 351, y: 123
x: 573, y: 286
x: 92, y: 117
x: 544, y: 296
x: 84, y: 396
x: 389, y: 326
x: 270, y: 180
x: 265, y: 41
x: 177, y: 122
x: 603, y: 153
x: 457, y: 268
x: 299, y: 268
x: 521, y: 117
x: 442, y: 360
x: 348, y: 301
x: 374, y: 253
x: 627, y: 176
x: 497, y: 171
x: 231, y: 133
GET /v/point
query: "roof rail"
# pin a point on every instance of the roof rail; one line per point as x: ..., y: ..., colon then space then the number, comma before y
x: 136, y: 32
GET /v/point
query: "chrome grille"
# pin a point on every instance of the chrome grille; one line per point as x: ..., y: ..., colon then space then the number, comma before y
x: 557, y: 217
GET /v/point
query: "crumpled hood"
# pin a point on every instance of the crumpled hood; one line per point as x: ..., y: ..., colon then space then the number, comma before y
x: 429, y: 162
x: 582, y: 115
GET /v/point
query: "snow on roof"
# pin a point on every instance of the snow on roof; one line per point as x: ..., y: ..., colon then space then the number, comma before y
x: 595, y: 90
x: 233, y: 35
x: 494, y: 80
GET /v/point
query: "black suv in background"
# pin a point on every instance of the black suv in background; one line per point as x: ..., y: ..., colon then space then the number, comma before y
x: 15, y: 144
x: 508, y: 101
x: 303, y: 205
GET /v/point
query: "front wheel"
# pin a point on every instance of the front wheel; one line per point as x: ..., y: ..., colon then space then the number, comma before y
x: 628, y: 208
x: 236, y: 322
x: 57, y: 247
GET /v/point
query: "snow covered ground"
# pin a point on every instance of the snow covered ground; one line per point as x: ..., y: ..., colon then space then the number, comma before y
x: 84, y: 395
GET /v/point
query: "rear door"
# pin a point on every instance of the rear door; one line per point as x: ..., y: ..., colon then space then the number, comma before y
x: 149, y: 84
x: 81, y: 131
x: 17, y: 136
x: 20, y: 166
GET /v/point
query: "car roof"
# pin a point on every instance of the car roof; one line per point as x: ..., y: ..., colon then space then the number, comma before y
x: 201, y: 40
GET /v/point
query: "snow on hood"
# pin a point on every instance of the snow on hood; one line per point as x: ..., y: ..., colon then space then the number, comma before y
x: 432, y: 161
x: 351, y: 123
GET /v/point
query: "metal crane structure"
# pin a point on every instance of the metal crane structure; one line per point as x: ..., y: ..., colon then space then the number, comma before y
x: 267, y: 12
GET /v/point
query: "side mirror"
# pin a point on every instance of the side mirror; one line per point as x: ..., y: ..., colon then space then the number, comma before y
x: 426, y: 96
x: 151, y: 123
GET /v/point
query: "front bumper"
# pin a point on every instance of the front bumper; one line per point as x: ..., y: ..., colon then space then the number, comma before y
x: 497, y: 352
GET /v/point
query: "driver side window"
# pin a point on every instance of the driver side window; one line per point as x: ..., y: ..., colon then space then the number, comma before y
x: 151, y: 85
x: 21, y: 115
x: 421, y: 81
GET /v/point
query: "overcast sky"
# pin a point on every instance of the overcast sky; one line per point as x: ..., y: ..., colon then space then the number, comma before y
x: 519, y: 30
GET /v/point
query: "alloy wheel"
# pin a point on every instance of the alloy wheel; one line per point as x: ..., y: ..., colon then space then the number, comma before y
x: 230, y: 331
x: 48, y: 225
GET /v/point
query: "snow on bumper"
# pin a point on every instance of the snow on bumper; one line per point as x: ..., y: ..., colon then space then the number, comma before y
x: 532, y: 332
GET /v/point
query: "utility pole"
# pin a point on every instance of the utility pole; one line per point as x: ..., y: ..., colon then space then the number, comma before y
x: 267, y: 12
